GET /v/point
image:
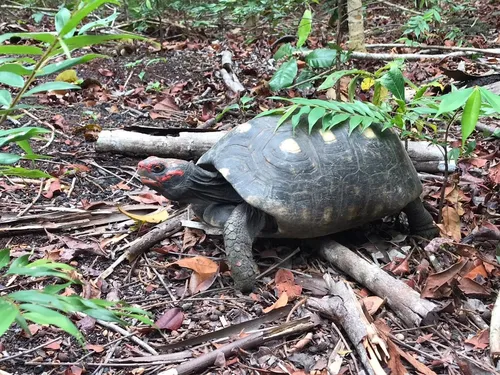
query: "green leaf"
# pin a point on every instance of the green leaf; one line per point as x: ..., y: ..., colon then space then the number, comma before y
x: 351, y: 88
x: 16, y: 69
x: 19, y: 134
x: 84, y: 12
x: 47, y: 37
x: 4, y: 258
x: 5, y: 98
x: 42, y: 315
x: 56, y: 288
x: 68, y: 63
x: 81, y: 41
x: 20, y: 50
x: 18, y: 60
x: 99, y: 23
x: 284, y: 51
x: 103, y: 314
x: 286, y: 115
x: 284, y: 76
x: 21, y: 322
x: 9, y: 313
x: 321, y: 58
x: 50, y: 86
x: 339, y: 118
x: 394, y: 81
x: 453, y: 100
x: 23, y: 172
x: 314, y: 116
x: 305, y: 27
x: 296, y: 117
x: 62, y: 18
x: 39, y: 298
x: 471, y: 114
x: 9, y: 159
x: 305, y: 76
x: 11, y: 79
x: 354, y: 121
x: 271, y: 112
x: 491, y: 98
x: 332, y: 79
x: 225, y: 110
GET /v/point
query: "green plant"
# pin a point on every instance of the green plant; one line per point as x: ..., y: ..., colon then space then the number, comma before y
x: 420, y: 25
x: 39, y: 60
x: 48, y: 306
x: 244, y: 105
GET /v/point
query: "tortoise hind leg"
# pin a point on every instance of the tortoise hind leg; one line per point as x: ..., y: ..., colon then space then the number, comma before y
x: 420, y: 220
x: 240, y: 229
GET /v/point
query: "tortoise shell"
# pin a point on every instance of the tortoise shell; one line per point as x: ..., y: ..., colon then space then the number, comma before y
x: 319, y: 183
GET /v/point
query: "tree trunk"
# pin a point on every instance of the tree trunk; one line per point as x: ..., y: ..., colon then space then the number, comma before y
x: 356, y: 27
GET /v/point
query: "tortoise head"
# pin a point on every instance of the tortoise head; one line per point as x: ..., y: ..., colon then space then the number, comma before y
x: 169, y: 177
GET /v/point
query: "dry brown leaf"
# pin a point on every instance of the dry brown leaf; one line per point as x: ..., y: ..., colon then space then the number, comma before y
x: 280, y: 302
x: 285, y: 283
x: 494, y: 173
x: 158, y: 216
x: 171, y: 319
x: 192, y: 237
x: 436, y: 281
x: 52, y: 186
x: 469, y: 286
x: 199, y: 264
x: 95, y: 348
x: 372, y: 304
x: 451, y: 224
x: 481, y: 341
x: 73, y: 370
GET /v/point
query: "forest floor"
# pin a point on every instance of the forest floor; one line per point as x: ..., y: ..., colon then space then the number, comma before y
x: 180, y: 87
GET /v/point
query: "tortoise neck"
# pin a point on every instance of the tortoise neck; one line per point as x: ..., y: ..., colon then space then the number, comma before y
x: 210, y: 187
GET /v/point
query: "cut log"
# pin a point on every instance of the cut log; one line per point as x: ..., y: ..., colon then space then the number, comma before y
x: 426, y: 157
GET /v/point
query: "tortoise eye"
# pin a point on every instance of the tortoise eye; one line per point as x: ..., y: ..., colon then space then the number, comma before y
x: 158, y: 168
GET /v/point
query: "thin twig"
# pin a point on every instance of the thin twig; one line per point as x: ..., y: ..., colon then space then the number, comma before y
x: 270, y: 269
x: 29, y: 350
x: 33, y: 201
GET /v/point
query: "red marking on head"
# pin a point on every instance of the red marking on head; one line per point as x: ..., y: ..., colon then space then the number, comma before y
x: 169, y: 175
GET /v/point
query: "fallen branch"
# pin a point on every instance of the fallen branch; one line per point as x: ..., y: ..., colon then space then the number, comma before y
x: 228, y: 76
x: 343, y: 307
x: 146, y: 242
x: 484, y: 51
x: 190, y: 146
x: 495, y: 331
x: 204, y: 361
x: 406, y: 56
x: 402, y: 299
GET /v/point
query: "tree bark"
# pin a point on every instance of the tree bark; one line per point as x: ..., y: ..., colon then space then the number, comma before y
x: 356, y: 27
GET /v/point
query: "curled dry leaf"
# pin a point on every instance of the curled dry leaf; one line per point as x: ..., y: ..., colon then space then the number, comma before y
x: 451, y: 224
x: 204, y: 272
x: 437, y: 286
x: 280, y: 302
x: 285, y: 283
x: 171, y: 319
x: 481, y: 341
x: 372, y: 304
x: 156, y: 217
x: 494, y: 173
x: 52, y: 186
x: 95, y: 348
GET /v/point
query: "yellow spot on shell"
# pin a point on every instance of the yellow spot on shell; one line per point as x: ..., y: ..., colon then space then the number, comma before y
x: 224, y: 172
x: 243, y: 128
x: 328, y: 136
x: 327, y: 214
x: 369, y: 133
x: 290, y: 145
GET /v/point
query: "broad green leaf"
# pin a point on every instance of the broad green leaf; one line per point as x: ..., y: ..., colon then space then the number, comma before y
x: 20, y: 50
x: 16, y: 108
x: 25, y: 145
x: 61, y: 19
x: 16, y: 69
x: 351, y: 88
x: 140, y: 318
x: 21, y: 322
x: 21, y: 261
x: 9, y: 313
x: 20, y: 134
x: 321, y: 58
x: 470, y: 114
x: 28, y: 60
x: 50, y: 86
x: 367, y: 121
x: 393, y: 80
x: 4, y: 258
x: 284, y: 51
x: 37, y: 272
x: 332, y: 79
x: 23, y: 172
x: 5, y: 98
x: 9, y: 159
x: 226, y: 109
x: 284, y: 76
x: 354, y: 121
x: 42, y: 315
x: 11, y: 79
x: 68, y: 63
x: 56, y: 288
x: 296, y: 117
x: 39, y: 298
x: 47, y: 37
x: 33, y: 156
x: 453, y: 100
x: 84, y: 12
x: 50, y: 264
x: 314, y: 116
x: 81, y: 41
x: 305, y: 27
x: 492, y: 99
x: 103, y: 314
x: 271, y: 112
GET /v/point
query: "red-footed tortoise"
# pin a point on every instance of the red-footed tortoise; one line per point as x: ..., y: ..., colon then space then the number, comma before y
x: 292, y: 184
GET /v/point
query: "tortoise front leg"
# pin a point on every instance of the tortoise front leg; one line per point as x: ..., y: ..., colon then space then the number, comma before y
x: 240, y: 230
x: 420, y: 220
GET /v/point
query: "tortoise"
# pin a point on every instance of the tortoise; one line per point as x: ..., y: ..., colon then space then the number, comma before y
x: 289, y: 183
